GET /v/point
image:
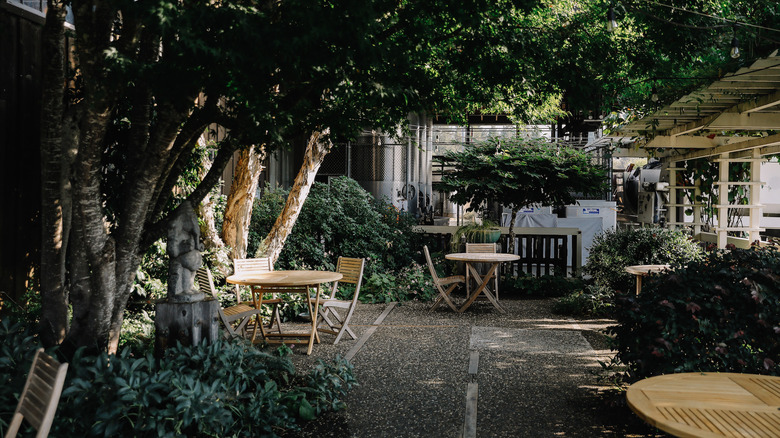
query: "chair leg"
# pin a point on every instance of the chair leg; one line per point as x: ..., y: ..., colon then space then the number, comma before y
x: 445, y: 296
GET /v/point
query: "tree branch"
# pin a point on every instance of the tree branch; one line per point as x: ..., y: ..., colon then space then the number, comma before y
x: 157, y: 230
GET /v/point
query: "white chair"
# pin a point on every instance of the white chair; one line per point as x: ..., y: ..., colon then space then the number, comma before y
x: 439, y: 283
x: 489, y: 248
x: 260, y: 264
x: 240, y: 312
x: 338, y: 324
x: 40, y: 396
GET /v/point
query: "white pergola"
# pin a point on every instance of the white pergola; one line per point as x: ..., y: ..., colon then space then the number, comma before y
x: 734, y: 119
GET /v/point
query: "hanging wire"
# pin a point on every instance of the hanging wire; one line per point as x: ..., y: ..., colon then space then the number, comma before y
x: 756, y: 26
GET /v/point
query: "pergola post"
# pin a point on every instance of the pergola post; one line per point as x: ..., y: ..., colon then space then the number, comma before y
x: 723, y: 200
x: 671, y: 209
x: 696, y: 207
x: 756, y: 209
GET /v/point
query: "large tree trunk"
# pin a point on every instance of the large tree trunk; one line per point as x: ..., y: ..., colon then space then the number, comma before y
x: 316, y: 150
x: 241, y: 200
x: 55, y: 196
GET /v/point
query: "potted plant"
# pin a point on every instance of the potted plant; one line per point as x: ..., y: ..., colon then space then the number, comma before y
x: 474, y: 232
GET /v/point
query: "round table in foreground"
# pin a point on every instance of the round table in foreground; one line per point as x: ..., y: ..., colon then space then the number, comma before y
x: 709, y: 404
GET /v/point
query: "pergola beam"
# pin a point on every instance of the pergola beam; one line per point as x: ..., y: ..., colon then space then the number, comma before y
x: 760, y: 104
x: 765, y: 143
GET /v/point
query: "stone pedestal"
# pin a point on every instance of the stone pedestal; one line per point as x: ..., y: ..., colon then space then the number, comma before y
x: 186, y: 323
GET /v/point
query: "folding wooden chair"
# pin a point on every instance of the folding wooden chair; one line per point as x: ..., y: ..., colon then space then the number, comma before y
x: 40, y: 396
x: 352, y: 269
x: 260, y: 264
x: 481, y: 248
x: 240, y: 312
x: 452, y: 281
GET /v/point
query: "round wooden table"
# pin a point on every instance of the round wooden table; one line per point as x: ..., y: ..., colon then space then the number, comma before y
x: 297, y: 282
x: 642, y: 270
x: 709, y: 404
x: 495, y: 259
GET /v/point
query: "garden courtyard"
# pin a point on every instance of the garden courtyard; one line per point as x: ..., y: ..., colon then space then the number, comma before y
x: 389, y: 219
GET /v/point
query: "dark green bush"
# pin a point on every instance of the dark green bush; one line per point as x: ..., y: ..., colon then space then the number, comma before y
x: 591, y: 301
x: 613, y: 250
x: 410, y: 283
x: 223, y: 389
x: 544, y: 286
x: 339, y: 219
x: 720, y: 314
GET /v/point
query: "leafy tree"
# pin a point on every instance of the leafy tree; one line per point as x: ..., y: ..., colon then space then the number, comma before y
x: 150, y: 78
x: 519, y: 172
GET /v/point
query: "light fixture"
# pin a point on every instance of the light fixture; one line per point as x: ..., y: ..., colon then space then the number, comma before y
x: 734, y: 48
x: 654, y: 95
x: 611, y: 23
x: 734, y: 45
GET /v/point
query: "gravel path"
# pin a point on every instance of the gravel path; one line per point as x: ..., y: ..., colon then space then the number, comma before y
x: 526, y: 373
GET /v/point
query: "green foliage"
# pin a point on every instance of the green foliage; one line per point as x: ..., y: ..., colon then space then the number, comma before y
x: 409, y: 283
x: 613, y: 250
x: 338, y: 219
x: 718, y: 314
x: 137, y: 334
x: 519, y: 172
x: 222, y: 389
x: 544, y: 286
x: 151, y: 280
x: 591, y: 301
x: 707, y: 173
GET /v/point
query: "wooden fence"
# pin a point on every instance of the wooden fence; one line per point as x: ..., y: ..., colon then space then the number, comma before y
x: 542, y: 251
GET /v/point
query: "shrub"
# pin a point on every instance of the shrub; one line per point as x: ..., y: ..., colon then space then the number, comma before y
x: 410, y: 283
x: 613, y: 250
x: 720, y: 314
x: 221, y: 389
x: 544, y: 286
x: 590, y: 301
x: 338, y: 219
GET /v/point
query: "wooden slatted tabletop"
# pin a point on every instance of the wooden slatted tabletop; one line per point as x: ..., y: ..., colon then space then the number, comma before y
x: 709, y: 404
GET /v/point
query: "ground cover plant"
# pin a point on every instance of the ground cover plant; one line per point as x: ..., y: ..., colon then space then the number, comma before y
x: 717, y: 314
x: 222, y: 389
x: 612, y: 251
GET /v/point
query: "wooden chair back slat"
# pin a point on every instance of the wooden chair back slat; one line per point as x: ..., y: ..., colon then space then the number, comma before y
x: 434, y: 275
x: 40, y: 396
x: 260, y: 264
x: 481, y: 247
x: 205, y: 281
x: 351, y: 269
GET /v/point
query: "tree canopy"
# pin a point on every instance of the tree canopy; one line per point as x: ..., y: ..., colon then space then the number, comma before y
x: 521, y: 172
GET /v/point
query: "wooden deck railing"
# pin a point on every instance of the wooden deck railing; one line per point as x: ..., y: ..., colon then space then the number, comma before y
x: 542, y: 251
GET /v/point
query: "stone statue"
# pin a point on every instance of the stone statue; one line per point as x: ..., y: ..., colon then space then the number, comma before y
x: 184, y: 249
